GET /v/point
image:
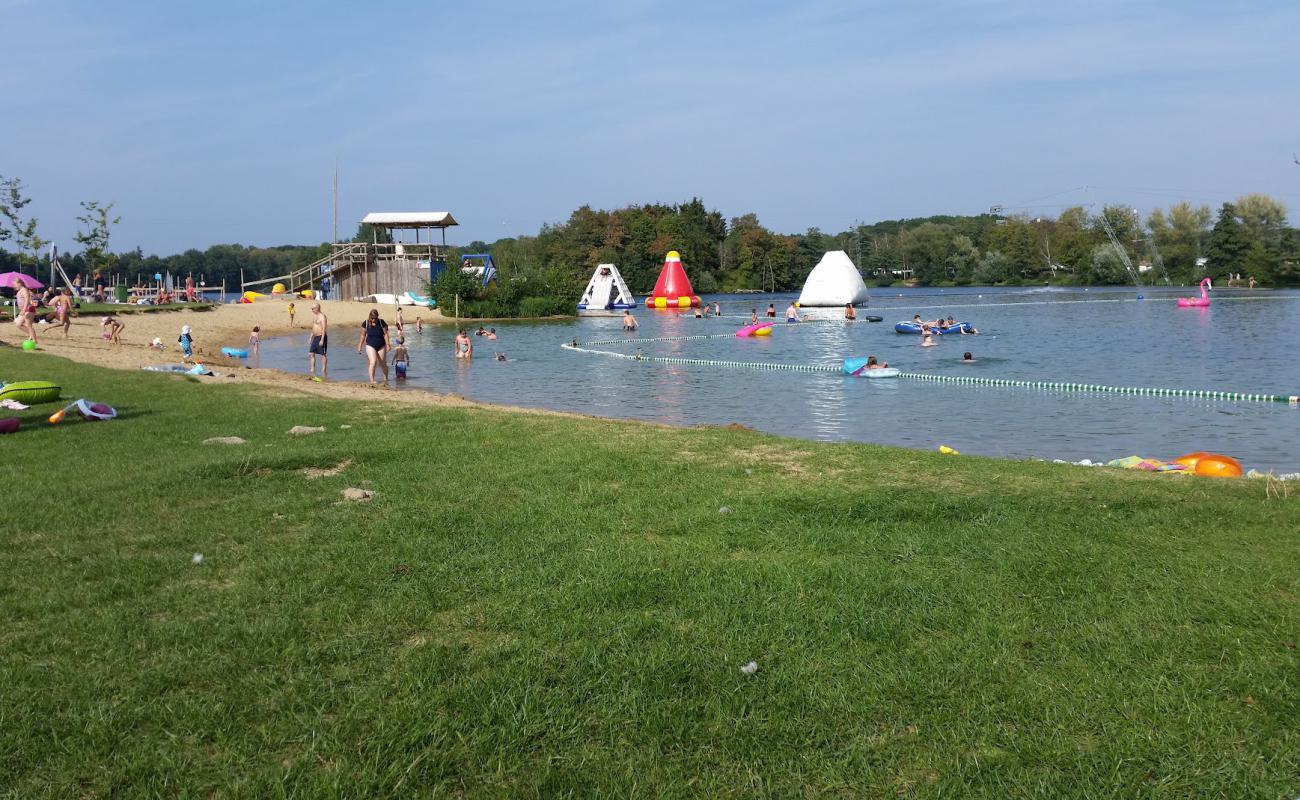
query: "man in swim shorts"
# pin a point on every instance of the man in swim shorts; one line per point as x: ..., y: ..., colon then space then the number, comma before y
x: 792, y: 313
x: 319, y: 343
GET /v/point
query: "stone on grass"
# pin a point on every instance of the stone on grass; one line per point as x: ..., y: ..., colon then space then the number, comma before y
x: 352, y: 493
x: 224, y: 440
x: 304, y: 430
x: 724, y: 510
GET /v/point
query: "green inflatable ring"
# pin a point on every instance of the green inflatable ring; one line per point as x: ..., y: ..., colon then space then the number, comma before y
x: 30, y: 392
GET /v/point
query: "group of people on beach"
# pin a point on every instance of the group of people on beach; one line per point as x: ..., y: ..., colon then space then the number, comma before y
x: 380, y: 347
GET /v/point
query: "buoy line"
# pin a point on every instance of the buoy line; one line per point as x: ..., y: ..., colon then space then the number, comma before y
x: 1011, y: 383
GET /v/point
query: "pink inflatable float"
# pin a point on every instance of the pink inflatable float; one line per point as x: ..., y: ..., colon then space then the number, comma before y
x: 1198, y: 302
x: 761, y: 329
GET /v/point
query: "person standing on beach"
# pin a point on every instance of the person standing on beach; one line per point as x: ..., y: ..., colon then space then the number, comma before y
x: 374, y: 342
x: 189, y: 288
x: 319, y: 343
x: 291, y: 310
x: 25, y: 311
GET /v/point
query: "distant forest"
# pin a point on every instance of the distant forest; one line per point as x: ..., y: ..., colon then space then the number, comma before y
x: 1249, y: 236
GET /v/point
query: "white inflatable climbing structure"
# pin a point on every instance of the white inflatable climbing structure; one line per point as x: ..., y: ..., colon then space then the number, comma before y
x: 606, y: 291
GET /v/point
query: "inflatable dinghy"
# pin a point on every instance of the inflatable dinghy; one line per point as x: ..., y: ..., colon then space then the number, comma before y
x: 908, y: 326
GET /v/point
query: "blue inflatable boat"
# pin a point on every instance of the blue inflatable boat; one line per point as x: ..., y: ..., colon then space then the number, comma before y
x: 909, y: 326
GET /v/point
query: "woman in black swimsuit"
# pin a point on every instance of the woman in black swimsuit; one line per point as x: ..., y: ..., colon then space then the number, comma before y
x: 374, y: 341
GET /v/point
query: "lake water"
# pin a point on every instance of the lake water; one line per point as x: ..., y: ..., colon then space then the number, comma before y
x: 1247, y: 341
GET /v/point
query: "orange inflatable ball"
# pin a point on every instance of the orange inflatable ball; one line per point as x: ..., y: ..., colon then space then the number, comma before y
x: 1218, y: 466
x: 1190, y: 459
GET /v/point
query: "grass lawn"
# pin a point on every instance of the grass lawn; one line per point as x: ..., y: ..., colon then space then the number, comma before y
x: 535, y: 606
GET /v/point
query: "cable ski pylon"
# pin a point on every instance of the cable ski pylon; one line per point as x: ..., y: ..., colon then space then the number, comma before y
x: 1008, y: 383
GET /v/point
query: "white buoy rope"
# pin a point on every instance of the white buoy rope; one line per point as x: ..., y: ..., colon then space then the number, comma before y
x: 1010, y: 383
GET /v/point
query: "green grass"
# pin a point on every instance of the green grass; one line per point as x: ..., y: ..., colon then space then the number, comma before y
x: 535, y: 606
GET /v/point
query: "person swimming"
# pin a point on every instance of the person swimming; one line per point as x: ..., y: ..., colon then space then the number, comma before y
x: 966, y: 356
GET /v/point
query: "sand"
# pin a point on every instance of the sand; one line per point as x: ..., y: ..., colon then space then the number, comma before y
x: 230, y: 326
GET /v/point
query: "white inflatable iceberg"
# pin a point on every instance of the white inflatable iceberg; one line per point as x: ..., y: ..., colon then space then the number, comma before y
x: 833, y: 282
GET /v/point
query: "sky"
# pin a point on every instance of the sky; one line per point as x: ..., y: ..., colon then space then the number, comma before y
x: 211, y: 123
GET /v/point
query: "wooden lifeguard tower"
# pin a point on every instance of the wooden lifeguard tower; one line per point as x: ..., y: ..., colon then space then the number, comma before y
x: 360, y: 269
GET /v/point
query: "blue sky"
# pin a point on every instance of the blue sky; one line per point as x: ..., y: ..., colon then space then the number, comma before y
x: 223, y: 122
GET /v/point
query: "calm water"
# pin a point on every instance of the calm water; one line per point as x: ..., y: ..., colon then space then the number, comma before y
x: 1247, y: 341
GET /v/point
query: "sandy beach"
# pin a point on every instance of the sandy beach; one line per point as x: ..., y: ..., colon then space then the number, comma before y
x: 225, y: 326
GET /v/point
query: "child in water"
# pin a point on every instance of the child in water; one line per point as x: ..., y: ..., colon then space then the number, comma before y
x: 401, y: 359
x: 186, y: 341
x: 255, y: 339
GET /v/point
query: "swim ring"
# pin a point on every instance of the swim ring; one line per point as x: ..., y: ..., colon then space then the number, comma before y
x: 757, y: 329
x: 1214, y: 465
x: 30, y: 392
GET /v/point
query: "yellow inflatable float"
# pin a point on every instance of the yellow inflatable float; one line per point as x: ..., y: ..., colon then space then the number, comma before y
x: 279, y: 288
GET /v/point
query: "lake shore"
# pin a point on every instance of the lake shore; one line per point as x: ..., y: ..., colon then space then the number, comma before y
x: 226, y: 326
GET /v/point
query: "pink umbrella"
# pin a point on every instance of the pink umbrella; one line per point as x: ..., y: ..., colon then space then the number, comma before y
x: 10, y: 280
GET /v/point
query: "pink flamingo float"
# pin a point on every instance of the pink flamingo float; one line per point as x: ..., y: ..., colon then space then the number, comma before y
x: 1198, y: 302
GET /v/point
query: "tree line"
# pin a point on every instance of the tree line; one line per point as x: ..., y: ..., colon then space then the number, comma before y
x: 1181, y: 244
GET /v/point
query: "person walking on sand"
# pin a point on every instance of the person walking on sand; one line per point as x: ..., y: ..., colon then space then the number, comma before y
x: 464, y: 347
x: 25, y: 311
x: 291, y: 310
x: 374, y: 342
x: 319, y: 342
x: 63, y: 311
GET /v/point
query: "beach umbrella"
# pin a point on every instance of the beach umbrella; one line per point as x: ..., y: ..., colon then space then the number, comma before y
x: 10, y: 280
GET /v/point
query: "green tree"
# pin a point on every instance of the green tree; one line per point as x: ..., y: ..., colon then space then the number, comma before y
x: 1180, y: 237
x: 993, y: 267
x: 1262, y: 219
x: 926, y: 249
x: 1105, y: 266
x: 1228, y: 242
x: 1071, y: 239
x: 367, y: 234
x: 94, y: 238
x: 21, y: 229
x: 963, y: 259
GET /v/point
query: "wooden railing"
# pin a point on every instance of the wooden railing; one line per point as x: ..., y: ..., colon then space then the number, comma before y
x: 346, y: 257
